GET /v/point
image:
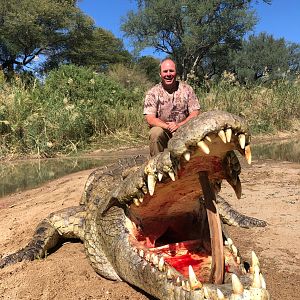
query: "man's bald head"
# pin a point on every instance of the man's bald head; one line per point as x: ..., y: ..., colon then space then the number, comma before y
x: 168, y: 73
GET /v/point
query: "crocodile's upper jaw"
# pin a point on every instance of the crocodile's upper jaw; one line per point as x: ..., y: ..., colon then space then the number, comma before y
x: 167, y: 226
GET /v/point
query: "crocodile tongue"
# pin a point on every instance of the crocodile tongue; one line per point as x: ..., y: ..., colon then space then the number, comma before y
x: 217, y: 266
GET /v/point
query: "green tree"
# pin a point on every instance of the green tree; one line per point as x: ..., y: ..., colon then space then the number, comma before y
x: 188, y: 30
x: 92, y: 47
x: 150, y: 66
x: 56, y: 31
x: 294, y: 57
x: 264, y: 56
x: 30, y: 28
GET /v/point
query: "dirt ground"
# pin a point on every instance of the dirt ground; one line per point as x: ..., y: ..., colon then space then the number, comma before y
x: 271, y: 191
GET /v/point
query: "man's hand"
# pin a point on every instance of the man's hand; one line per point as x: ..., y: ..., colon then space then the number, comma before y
x: 172, y: 126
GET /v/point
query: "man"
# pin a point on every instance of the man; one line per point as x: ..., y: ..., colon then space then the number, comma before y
x: 168, y: 105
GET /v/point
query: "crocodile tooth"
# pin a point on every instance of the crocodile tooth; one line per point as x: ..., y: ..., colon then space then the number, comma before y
x: 147, y: 257
x: 178, y: 281
x: 136, y: 201
x: 141, y: 200
x: 172, y: 175
x: 161, y: 264
x: 206, y: 293
x: 194, y: 282
x: 155, y: 260
x: 159, y: 176
x: 256, y: 278
x: 208, y: 138
x: 237, y: 286
x: 238, y: 260
x: 185, y: 285
x: 220, y: 295
x: 263, y: 282
x: 202, y: 145
x: 254, y: 260
x: 248, y: 154
x: 229, y: 241
x: 169, y: 274
x: 141, y: 253
x: 151, y: 184
x: 234, y: 250
x: 144, y: 189
x: 187, y: 155
x: 152, y: 257
x: 228, y: 133
x: 222, y: 136
x: 242, y: 140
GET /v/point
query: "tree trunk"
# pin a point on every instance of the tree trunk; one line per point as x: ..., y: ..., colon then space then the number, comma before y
x: 8, y: 69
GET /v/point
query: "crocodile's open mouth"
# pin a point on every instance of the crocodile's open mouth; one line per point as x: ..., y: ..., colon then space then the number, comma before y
x: 173, y: 219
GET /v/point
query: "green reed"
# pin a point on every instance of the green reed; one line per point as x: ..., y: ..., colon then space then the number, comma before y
x: 267, y: 108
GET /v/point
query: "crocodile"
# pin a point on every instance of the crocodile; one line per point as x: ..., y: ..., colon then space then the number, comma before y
x: 157, y: 223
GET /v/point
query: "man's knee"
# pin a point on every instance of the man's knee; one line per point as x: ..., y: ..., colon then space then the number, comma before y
x: 158, y: 139
x: 156, y: 133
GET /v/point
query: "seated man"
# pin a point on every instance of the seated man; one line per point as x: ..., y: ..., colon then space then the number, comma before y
x: 167, y: 106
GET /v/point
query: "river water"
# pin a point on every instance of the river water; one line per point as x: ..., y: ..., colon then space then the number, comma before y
x: 18, y: 176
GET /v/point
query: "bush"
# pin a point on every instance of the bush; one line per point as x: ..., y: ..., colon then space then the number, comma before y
x: 72, y: 107
x: 130, y: 78
x: 267, y: 109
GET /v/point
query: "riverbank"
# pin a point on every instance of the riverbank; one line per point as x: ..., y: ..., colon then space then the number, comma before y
x: 133, y: 147
x: 271, y: 191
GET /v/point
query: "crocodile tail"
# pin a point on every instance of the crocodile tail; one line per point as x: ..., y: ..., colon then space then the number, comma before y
x: 230, y: 216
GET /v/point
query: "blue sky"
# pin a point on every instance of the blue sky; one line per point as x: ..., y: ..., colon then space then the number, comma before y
x: 281, y: 18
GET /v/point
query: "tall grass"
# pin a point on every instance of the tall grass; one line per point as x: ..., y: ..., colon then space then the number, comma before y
x: 73, y: 108
x: 266, y: 108
x: 76, y: 109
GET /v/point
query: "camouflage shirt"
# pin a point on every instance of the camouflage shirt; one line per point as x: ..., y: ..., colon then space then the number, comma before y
x: 174, y: 107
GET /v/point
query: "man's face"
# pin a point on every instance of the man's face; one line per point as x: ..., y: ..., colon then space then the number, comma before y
x: 168, y: 73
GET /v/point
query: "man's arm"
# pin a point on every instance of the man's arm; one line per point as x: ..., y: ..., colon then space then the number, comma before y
x: 152, y: 120
x: 192, y: 115
x: 171, y: 126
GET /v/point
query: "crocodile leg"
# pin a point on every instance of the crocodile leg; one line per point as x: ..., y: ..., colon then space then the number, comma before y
x: 232, y: 217
x: 45, y: 238
x: 68, y: 223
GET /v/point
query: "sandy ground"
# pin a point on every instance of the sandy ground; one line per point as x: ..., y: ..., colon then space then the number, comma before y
x: 271, y: 191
